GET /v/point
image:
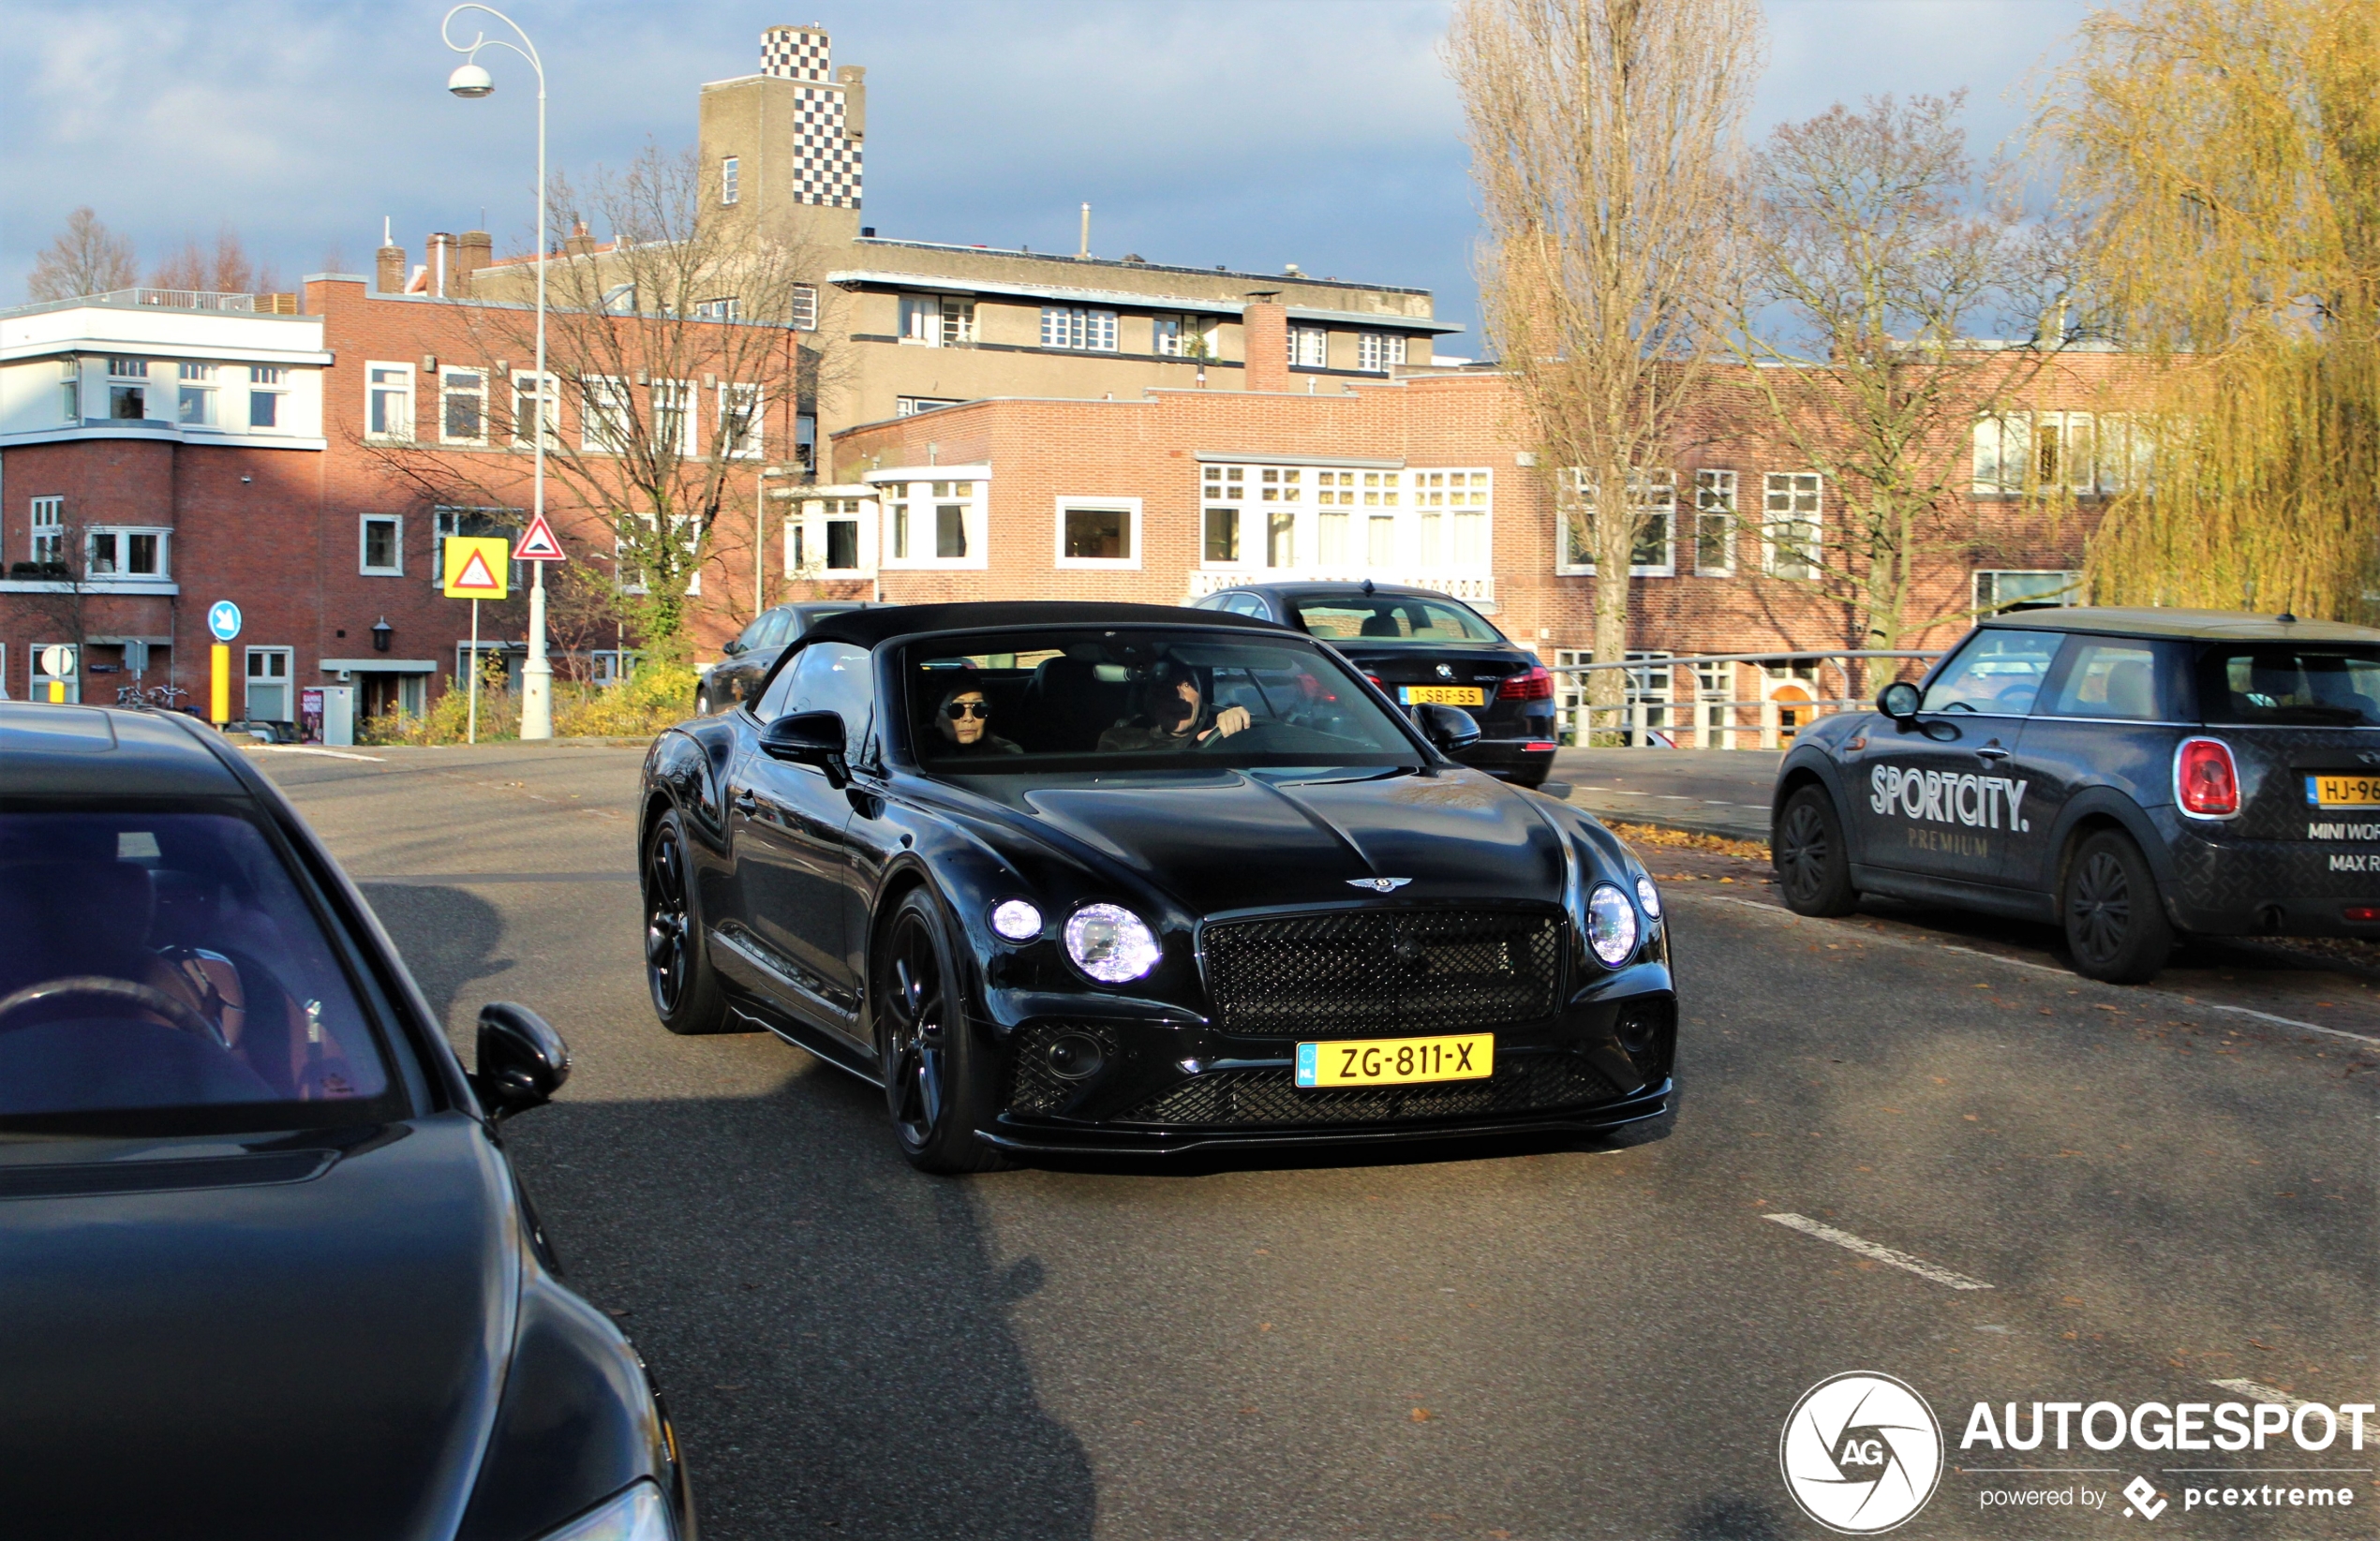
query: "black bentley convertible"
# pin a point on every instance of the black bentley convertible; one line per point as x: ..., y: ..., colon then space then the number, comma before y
x: 1137, y: 880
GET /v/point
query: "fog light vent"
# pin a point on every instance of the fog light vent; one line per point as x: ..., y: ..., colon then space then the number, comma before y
x: 1648, y: 1034
x: 1054, y: 1060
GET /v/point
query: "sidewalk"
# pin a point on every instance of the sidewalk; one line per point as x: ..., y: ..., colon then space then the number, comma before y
x: 1703, y: 791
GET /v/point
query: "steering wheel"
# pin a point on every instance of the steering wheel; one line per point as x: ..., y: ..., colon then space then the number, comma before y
x: 123, y: 991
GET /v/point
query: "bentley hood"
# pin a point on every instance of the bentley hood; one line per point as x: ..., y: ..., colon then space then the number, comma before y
x: 261, y: 1342
x: 1234, y: 839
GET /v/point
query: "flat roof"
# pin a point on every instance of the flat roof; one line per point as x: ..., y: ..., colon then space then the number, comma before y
x: 2200, y: 625
x: 1128, y: 299
x: 1133, y: 267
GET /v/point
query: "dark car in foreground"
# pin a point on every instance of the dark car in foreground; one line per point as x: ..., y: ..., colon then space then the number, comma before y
x: 265, y: 1270
x: 1422, y: 646
x: 2133, y: 776
x: 1113, y: 878
x: 748, y: 657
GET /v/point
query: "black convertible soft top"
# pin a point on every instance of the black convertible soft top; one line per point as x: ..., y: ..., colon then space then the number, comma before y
x: 867, y: 628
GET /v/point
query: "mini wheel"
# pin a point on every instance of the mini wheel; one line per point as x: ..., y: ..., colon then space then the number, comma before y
x: 2115, y: 919
x: 1814, y: 865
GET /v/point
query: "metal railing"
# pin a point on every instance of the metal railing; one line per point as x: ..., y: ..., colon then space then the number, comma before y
x: 1477, y: 590
x: 146, y: 298
x: 1717, y: 717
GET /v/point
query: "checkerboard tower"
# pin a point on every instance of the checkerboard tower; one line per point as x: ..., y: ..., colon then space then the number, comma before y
x: 783, y: 146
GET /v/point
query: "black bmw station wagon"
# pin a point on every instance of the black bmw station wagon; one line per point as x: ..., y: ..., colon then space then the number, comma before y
x: 2132, y: 775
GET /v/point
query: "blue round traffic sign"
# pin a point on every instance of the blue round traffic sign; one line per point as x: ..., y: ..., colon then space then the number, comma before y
x: 223, y: 619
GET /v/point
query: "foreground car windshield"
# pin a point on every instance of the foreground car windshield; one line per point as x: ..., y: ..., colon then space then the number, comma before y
x: 156, y: 963
x: 1390, y: 617
x: 1140, y: 698
x: 2313, y: 687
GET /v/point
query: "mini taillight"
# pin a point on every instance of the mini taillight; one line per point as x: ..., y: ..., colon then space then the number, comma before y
x: 1536, y: 685
x: 2205, y: 782
x: 2361, y: 914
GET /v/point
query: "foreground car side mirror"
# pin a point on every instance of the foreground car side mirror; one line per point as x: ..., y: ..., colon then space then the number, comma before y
x: 1448, y: 729
x: 1900, y: 701
x: 807, y: 739
x: 522, y: 1062
x: 734, y: 648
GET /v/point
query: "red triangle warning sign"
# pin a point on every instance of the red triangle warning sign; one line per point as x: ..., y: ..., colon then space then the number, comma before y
x: 538, y: 544
x: 475, y: 575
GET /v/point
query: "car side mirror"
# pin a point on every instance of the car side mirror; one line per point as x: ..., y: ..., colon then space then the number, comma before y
x: 522, y: 1062
x: 735, y: 647
x: 1448, y: 729
x: 1900, y: 701
x: 807, y: 739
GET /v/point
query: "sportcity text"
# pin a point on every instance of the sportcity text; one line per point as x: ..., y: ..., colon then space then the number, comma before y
x: 1948, y: 797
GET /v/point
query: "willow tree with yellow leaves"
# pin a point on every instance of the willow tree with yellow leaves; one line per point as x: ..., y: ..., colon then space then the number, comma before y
x: 2227, y: 154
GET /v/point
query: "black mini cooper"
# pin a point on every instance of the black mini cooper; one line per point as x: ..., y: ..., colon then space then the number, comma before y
x: 1137, y: 880
x: 2132, y: 775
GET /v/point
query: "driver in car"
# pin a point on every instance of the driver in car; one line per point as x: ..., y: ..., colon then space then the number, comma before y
x: 965, y: 718
x: 1174, y: 715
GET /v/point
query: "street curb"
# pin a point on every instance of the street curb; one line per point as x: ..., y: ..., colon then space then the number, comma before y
x: 1674, y: 826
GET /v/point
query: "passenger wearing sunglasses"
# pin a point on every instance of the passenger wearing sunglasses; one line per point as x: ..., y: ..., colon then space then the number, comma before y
x: 965, y: 717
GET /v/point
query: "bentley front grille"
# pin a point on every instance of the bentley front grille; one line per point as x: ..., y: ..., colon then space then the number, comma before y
x: 1538, y: 1083
x: 1373, y: 971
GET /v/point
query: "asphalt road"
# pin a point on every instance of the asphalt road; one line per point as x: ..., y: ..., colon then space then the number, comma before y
x: 1474, y: 1342
x: 1724, y: 792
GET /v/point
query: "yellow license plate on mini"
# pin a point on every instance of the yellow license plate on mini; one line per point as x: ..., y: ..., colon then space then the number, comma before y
x: 1442, y: 695
x: 1397, y: 1061
x: 2343, y: 790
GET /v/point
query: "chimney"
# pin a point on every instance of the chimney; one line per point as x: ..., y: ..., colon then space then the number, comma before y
x: 853, y: 79
x: 1264, y: 331
x: 580, y: 244
x: 391, y: 264
x: 441, y: 257
x: 473, y: 250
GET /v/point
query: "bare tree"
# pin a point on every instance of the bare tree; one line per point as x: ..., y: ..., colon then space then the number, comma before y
x: 1873, y: 260
x: 678, y: 368
x: 85, y: 258
x: 227, y: 270
x: 1601, y: 135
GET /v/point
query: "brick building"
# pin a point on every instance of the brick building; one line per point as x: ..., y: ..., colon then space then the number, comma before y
x: 1426, y: 479
x: 161, y: 451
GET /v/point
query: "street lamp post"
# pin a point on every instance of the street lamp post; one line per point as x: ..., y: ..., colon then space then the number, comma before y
x: 470, y: 82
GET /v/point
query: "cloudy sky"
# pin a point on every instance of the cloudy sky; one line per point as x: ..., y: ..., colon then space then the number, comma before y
x: 1321, y: 132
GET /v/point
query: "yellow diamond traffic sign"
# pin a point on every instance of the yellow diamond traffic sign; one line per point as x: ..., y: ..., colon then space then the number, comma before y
x: 478, y: 566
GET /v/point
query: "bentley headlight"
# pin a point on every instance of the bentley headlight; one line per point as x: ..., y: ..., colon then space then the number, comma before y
x: 1111, y: 943
x: 1611, y: 924
x: 1648, y: 896
x: 1016, y: 920
x: 636, y: 1515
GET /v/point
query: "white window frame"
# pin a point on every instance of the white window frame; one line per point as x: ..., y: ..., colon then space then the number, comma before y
x: 677, y: 402
x: 549, y: 403
x: 727, y: 307
x: 445, y: 517
x: 1772, y: 483
x: 1378, y: 352
x: 807, y: 540
x: 118, y: 538
x: 47, y: 522
x: 197, y: 382
x: 607, y: 414
x: 40, y: 682
x: 70, y: 404
x: 909, y: 407
x: 1130, y: 506
x: 447, y: 374
x: 915, y: 496
x: 363, y: 544
x: 286, y: 680
x: 395, y: 387
x: 2003, y: 454
x: 937, y: 321
x: 1225, y: 487
x: 621, y: 575
x: 1309, y: 347
x: 748, y: 444
x: 730, y: 168
x: 1716, y: 497
x: 1076, y: 329
x: 805, y: 317
x: 1989, y: 578
x: 1652, y: 490
x: 268, y: 383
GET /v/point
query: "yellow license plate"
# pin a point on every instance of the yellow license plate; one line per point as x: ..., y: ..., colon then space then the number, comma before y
x: 1442, y: 695
x: 2343, y: 790
x: 1397, y: 1061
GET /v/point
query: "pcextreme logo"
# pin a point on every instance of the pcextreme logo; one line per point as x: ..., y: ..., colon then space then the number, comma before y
x: 1949, y: 797
x: 1861, y: 1453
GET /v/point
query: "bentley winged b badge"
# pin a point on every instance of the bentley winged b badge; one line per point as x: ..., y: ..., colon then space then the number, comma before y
x: 1379, y: 885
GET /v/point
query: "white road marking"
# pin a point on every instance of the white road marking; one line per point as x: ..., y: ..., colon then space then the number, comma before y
x: 1881, y: 939
x: 2258, y: 1390
x: 1917, y: 1266
x: 301, y: 748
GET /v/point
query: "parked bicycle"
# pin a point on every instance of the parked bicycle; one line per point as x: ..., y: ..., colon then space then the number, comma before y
x: 170, y: 698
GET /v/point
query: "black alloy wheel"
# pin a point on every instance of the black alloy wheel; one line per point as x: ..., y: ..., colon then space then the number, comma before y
x: 1813, y: 865
x: 934, y: 1074
x: 2116, y: 925
x: 687, y: 995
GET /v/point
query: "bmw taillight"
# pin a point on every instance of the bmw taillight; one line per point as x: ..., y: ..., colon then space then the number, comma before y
x: 1536, y: 685
x: 2206, y: 781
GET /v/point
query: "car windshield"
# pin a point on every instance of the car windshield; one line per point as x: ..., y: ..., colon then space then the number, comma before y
x: 2335, y: 686
x: 1369, y: 618
x: 161, y: 963
x: 1140, y: 698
